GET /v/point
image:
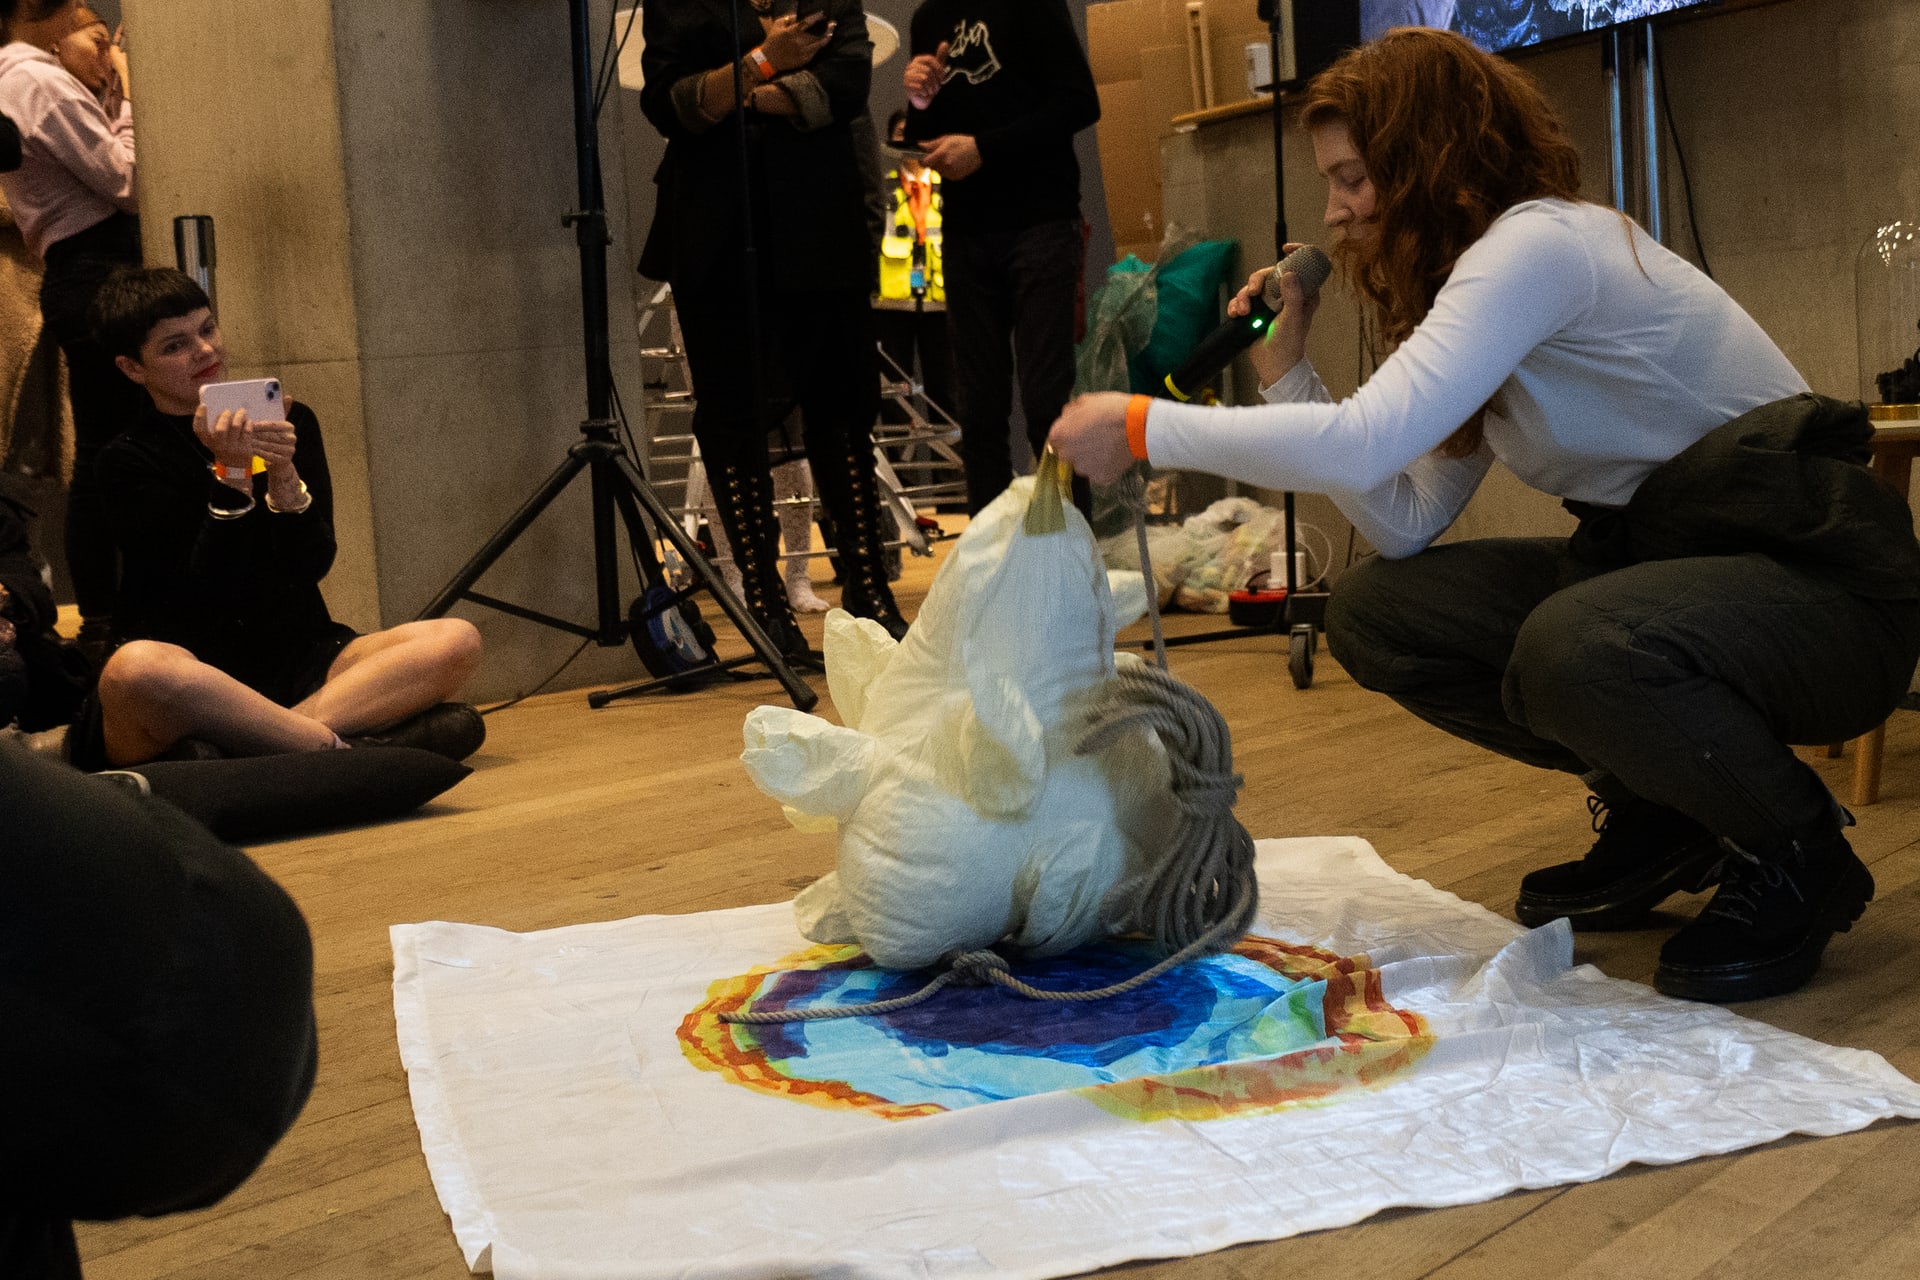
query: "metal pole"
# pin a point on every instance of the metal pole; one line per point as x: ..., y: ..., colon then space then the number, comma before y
x: 589, y: 221
x: 1650, y: 119
x: 1616, y: 119
x: 1279, y: 143
x: 193, y: 250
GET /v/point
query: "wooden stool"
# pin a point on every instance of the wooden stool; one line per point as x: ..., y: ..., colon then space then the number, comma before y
x: 1894, y: 447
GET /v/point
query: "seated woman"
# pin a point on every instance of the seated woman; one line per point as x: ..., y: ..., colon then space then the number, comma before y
x: 1556, y: 336
x: 226, y: 530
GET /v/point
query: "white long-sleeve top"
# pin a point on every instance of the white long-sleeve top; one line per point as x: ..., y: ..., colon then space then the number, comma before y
x: 1608, y: 354
x: 76, y: 165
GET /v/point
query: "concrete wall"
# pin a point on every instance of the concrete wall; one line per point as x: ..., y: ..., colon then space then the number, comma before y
x: 1798, y: 122
x: 387, y: 184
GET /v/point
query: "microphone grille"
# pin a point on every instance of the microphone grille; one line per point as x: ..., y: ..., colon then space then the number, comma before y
x: 1309, y: 263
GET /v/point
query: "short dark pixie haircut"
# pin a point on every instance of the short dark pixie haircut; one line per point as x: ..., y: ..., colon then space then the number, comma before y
x: 135, y: 299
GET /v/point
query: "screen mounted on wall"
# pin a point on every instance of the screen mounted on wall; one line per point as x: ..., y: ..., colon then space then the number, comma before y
x: 1315, y: 32
x: 1498, y: 25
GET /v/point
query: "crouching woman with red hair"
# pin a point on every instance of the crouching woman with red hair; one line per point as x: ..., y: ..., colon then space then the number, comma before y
x: 1731, y: 539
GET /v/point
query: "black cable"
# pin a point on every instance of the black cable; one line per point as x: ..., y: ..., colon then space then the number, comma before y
x: 633, y: 456
x: 610, y: 69
x: 606, y: 61
x: 1686, y: 180
x: 522, y: 697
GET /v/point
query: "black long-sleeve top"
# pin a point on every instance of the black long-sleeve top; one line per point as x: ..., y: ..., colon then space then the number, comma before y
x: 240, y: 595
x: 1018, y: 82
x: 807, y: 190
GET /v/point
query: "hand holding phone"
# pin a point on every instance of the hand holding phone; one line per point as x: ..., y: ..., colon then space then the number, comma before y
x: 247, y: 418
x: 793, y: 39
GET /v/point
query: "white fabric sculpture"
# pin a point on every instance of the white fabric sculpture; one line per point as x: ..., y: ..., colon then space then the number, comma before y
x: 965, y: 817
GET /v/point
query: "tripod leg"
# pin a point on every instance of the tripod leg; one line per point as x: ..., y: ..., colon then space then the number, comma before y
x: 635, y: 489
x: 606, y: 569
x: 516, y: 525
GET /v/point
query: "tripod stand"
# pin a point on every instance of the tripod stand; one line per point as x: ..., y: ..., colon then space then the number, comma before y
x: 617, y: 483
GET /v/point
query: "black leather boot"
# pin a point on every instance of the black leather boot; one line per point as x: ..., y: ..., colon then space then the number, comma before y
x: 852, y: 499
x: 743, y: 496
x: 1645, y: 854
x: 1765, y: 930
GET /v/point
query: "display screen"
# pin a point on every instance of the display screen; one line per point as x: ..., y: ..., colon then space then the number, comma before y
x: 1496, y: 25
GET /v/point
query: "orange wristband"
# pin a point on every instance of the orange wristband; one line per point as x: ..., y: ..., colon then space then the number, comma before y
x: 762, y: 63
x: 1137, y: 426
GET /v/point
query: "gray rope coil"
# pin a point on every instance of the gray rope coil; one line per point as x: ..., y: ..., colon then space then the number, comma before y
x: 1201, y: 900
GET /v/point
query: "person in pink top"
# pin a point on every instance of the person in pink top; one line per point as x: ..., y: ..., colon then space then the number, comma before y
x: 62, y: 82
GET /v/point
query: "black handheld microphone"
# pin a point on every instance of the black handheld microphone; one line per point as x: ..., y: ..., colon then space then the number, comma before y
x: 1218, y: 348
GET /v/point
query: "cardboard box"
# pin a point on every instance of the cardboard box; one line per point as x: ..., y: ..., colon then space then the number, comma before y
x: 1230, y: 61
x: 1129, y: 136
x: 1116, y: 33
x: 1231, y: 25
x: 1166, y: 82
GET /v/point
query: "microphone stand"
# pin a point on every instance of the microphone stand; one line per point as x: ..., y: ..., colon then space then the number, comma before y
x: 1301, y: 614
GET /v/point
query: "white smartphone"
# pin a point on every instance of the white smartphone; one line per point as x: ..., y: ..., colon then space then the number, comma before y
x: 260, y: 397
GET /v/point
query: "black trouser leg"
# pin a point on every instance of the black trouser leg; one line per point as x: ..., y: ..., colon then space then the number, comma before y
x: 980, y: 325
x: 1044, y: 264
x: 894, y: 330
x: 936, y: 357
x: 1435, y: 632
x: 1683, y: 679
x: 838, y: 384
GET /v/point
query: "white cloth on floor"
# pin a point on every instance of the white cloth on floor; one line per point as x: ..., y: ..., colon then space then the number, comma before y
x: 572, y: 1135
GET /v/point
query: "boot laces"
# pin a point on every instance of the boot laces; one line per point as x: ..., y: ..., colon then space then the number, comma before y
x: 1749, y: 881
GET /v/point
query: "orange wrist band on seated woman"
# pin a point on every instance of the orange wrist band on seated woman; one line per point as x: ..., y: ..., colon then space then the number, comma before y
x: 1137, y: 426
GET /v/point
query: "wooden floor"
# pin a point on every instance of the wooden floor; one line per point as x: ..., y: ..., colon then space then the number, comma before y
x: 576, y: 815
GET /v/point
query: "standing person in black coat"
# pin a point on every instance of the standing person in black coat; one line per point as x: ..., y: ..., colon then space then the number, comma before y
x: 806, y: 78
x: 997, y: 89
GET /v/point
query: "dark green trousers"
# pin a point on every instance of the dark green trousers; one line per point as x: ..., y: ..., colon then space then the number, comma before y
x: 1684, y: 680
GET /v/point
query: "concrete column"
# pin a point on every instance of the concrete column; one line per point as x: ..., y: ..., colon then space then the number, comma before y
x: 387, y: 184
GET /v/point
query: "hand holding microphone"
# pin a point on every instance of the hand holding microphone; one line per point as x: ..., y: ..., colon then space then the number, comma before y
x: 1289, y: 290
x: 1091, y: 432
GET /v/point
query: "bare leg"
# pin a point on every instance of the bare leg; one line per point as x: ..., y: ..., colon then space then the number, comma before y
x: 152, y: 695
x: 385, y: 677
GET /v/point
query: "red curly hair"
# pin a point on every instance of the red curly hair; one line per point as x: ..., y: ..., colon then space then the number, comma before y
x: 1452, y: 137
